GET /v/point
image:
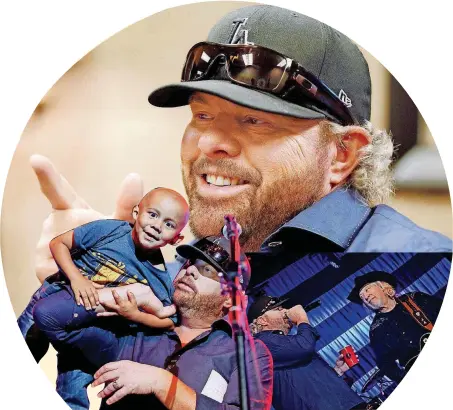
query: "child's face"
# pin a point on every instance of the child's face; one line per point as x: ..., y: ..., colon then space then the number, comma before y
x: 159, y: 219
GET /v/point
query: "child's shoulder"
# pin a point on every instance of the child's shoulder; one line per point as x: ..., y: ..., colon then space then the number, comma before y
x: 107, y: 223
x: 103, y: 227
x: 97, y: 233
x: 113, y: 222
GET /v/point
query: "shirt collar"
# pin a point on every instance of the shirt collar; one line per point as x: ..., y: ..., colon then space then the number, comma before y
x: 337, y: 217
x: 223, y: 325
x: 220, y: 324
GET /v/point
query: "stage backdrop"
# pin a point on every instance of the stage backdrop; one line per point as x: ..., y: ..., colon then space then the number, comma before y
x: 329, y: 278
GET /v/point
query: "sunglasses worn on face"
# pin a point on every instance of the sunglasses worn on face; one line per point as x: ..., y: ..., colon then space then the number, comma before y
x: 214, y: 251
x: 267, y: 70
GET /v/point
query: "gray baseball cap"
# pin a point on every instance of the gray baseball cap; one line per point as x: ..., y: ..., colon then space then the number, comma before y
x: 329, y: 55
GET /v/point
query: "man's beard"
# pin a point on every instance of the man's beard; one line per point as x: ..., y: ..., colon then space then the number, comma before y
x: 199, y: 306
x: 259, y: 211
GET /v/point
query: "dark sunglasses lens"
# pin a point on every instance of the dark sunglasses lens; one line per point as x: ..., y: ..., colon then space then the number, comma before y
x: 257, y: 68
x: 198, y: 61
x: 219, y: 255
x: 216, y: 252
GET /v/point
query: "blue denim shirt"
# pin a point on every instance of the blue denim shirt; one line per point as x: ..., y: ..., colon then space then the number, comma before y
x: 207, y: 364
x: 302, y: 380
x: 341, y: 221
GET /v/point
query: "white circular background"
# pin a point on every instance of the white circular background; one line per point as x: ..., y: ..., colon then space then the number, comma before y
x: 41, y: 40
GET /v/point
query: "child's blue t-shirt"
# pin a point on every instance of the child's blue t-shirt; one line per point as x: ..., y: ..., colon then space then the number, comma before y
x: 105, y: 253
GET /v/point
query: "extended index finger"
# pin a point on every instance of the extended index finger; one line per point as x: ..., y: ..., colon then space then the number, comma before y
x: 53, y: 185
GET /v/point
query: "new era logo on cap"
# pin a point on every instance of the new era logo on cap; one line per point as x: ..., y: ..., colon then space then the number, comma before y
x: 345, y: 99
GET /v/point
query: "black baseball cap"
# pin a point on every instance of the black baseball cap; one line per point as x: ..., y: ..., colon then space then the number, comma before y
x: 263, y: 304
x: 328, y: 54
x: 370, y: 277
x: 216, y: 251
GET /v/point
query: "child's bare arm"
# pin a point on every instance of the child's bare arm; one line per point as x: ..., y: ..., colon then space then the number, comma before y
x: 61, y: 247
x: 148, y: 319
x: 84, y: 290
x: 127, y: 307
x: 145, y: 299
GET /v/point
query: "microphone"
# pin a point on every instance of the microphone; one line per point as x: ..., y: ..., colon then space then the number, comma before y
x: 312, y: 306
x: 226, y: 234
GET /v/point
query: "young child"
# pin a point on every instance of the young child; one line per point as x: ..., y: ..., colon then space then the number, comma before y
x: 111, y: 253
x: 197, y: 284
x: 65, y: 323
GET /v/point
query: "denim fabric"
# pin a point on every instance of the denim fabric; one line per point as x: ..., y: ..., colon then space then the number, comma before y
x: 25, y: 320
x: 210, y: 355
x: 302, y: 380
x: 69, y: 326
x: 71, y: 381
x: 72, y: 385
x: 342, y: 221
x: 105, y: 252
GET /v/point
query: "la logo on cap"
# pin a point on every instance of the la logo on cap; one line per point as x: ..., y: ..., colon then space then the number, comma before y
x: 239, y: 35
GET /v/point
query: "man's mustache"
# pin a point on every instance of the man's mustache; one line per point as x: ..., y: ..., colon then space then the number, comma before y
x: 187, y: 281
x: 226, y: 167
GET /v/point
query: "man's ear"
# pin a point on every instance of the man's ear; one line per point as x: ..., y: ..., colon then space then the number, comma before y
x: 229, y: 303
x: 391, y: 292
x: 177, y: 240
x: 261, y: 320
x: 135, y: 212
x: 347, y: 155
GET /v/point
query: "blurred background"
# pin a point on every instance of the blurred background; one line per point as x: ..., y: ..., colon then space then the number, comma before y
x: 96, y: 126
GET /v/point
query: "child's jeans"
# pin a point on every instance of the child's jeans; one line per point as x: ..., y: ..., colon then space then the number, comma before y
x: 69, y: 326
x: 71, y: 380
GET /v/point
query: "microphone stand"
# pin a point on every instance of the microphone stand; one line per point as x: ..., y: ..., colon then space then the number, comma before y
x: 237, y: 312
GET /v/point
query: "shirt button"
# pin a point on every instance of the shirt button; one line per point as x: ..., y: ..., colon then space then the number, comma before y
x: 274, y: 244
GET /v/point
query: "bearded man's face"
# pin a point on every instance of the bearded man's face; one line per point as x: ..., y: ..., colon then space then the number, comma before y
x: 198, y: 292
x: 263, y: 168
